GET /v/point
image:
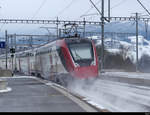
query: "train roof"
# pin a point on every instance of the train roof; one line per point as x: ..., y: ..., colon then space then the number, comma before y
x: 67, y: 40
x: 77, y: 40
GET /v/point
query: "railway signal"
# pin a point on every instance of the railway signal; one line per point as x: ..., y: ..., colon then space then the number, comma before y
x: 12, y: 50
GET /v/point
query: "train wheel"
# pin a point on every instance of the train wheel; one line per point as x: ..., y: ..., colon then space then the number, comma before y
x: 57, y: 80
x: 39, y: 76
x: 32, y: 74
x: 62, y: 80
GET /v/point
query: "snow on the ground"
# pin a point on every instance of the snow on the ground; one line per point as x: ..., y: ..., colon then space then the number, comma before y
x: 113, y: 96
x: 18, y: 77
x: 133, y: 39
x: 128, y: 74
x: 8, y: 89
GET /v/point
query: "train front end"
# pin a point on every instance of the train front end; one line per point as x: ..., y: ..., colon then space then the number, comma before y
x: 84, y: 58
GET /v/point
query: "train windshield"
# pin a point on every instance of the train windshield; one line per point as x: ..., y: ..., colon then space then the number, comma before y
x: 82, y: 51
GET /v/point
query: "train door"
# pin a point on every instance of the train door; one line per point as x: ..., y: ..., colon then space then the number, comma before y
x: 45, y: 64
x: 38, y: 64
x: 24, y: 65
x: 15, y: 63
x: 56, y: 63
x: 41, y: 64
x: 32, y: 64
x: 51, y: 65
x: 28, y: 61
x: 19, y: 63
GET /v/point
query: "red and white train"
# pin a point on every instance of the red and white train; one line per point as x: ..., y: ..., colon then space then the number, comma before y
x: 63, y: 58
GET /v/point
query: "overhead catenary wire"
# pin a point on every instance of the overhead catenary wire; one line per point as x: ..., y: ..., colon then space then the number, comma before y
x: 146, y: 2
x: 64, y: 9
x: 96, y: 14
x: 96, y: 7
x: 38, y: 10
x: 143, y: 7
x: 120, y: 3
x: 2, y: 24
x: 86, y: 13
x: 100, y: 12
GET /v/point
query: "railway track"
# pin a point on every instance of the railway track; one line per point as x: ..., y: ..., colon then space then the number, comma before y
x: 74, y: 94
x: 112, y: 95
x: 31, y: 93
x: 108, y: 96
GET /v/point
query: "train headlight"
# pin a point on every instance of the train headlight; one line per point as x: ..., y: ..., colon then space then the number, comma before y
x: 77, y: 65
x: 93, y: 63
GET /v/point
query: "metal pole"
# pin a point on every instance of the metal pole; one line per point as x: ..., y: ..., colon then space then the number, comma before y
x: 12, y: 64
x: 15, y: 52
x: 59, y: 32
x: 109, y: 10
x: 11, y: 38
x: 146, y: 29
x: 15, y: 42
x: 57, y: 29
x: 84, y: 27
x: 102, y: 36
x: 6, y: 41
x: 137, y: 42
x: 31, y: 42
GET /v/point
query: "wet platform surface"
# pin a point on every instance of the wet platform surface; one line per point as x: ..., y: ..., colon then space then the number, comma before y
x: 30, y: 95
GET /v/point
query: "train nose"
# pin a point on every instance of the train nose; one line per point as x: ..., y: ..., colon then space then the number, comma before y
x: 85, y: 72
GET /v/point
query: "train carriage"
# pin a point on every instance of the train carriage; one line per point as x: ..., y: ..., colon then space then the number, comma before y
x: 63, y: 58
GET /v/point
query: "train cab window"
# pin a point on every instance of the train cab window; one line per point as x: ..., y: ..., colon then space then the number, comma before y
x: 82, y: 51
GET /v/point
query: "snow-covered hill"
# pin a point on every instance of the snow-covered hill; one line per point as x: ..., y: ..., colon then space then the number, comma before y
x: 121, y: 27
x: 114, y: 45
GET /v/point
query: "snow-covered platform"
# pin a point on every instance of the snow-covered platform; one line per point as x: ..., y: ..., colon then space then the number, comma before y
x: 29, y: 94
x: 3, y: 84
x: 127, y: 77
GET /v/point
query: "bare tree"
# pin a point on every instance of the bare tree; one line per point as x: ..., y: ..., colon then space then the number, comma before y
x: 124, y: 50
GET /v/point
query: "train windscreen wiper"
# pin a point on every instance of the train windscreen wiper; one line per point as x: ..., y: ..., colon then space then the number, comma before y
x: 76, y: 54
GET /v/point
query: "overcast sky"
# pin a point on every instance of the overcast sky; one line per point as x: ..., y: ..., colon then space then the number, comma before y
x: 65, y: 9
